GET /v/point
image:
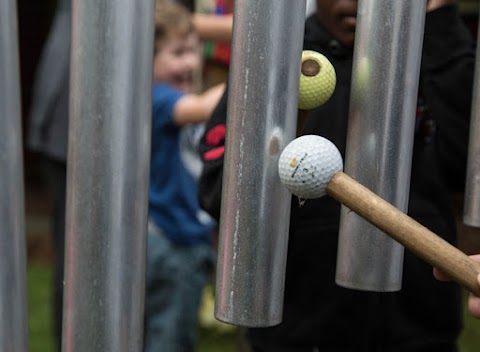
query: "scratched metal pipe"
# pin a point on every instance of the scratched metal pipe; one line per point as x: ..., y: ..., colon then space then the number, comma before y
x: 13, y: 282
x: 107, y: 175
x: 386, y: 66
x: 262, y: 109
x: 471, y: 209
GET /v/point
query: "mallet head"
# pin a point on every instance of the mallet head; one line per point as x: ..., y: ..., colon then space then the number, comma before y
x: 317, y: 80
x: 307, y: 164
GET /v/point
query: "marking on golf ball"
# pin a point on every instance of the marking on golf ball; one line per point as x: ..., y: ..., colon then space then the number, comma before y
x: 307, y: 164
x: 317, y: 80
x: 297, y: 166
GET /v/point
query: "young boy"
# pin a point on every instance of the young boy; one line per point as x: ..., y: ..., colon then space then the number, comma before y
x: 179, y: 255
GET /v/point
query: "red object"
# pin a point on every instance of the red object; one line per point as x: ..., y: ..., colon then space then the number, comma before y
x: 214, y: 154
x: 216, y: 135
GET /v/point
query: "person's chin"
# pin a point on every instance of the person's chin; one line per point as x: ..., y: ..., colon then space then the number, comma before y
x: 347, y: 36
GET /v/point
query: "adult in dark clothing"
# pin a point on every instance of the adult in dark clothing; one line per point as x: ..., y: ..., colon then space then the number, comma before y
x: 318, y: 314
x: 48, y: 135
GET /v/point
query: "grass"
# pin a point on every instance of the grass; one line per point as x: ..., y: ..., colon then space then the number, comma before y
x: 39, y: 308
x: 214, y: 336
x: 469, y: 340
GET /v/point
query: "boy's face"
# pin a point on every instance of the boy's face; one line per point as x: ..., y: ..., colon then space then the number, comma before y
x: 340, y: 18
x: 175, y: 61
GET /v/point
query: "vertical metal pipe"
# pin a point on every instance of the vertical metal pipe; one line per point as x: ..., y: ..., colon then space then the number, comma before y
x: 262, y: 109
x: 108, y: 174
x: 386, y: 67
x: 13, y: 288
x: 471, y: 209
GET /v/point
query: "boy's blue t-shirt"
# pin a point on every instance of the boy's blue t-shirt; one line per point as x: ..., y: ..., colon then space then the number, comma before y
x: 173, y: 202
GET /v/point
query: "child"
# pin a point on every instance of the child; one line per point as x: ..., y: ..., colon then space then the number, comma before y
x: 179, y: 255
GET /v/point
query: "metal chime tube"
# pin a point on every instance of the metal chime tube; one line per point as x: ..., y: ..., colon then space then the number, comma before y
x: 262, y: 110
x: 471, y: 211
x: 108, y: 175
x: 13, y: 287
x: 386, y: 66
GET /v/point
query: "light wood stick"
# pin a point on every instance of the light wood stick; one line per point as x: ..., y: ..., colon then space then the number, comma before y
x: 405, y: 230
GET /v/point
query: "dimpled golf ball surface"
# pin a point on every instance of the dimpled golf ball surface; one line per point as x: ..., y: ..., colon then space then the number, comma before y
x: 307, y: 164
x: 315, y: 87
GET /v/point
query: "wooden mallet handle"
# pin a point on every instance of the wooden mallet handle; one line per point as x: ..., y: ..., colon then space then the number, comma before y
x: 414, y: 236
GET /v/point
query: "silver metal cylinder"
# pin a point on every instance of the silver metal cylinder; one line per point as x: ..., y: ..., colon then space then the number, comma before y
x: 386, y: 67
x: 108, y: 175
x: 471, y: 209
x: 262, y: 110
x: 13, y: 283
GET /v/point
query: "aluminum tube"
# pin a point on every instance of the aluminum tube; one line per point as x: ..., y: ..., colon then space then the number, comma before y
x: 386, y: 68
x: 13, y: 282
x: 108, y: 175
x: 471, y: 209
x: 262, y: 109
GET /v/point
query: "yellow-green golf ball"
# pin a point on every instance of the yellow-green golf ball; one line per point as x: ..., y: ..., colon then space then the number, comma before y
x: 317, y: 80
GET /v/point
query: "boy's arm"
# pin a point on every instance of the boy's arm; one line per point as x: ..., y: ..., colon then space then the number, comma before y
x: 213, y: 27
x: 446, y: 84
x: 197, y: 108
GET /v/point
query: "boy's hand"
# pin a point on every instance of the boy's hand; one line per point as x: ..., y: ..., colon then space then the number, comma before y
x: 473, y: 301
x: 435, y: 4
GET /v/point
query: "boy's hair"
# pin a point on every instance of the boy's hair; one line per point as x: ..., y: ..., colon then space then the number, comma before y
x: 171, y: 19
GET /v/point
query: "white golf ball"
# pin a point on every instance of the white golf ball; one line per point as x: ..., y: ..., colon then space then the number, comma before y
x: 307, y: 164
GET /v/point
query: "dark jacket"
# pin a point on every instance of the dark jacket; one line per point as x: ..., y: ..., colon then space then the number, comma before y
x: 48, y: 130
x: 426, y: 314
